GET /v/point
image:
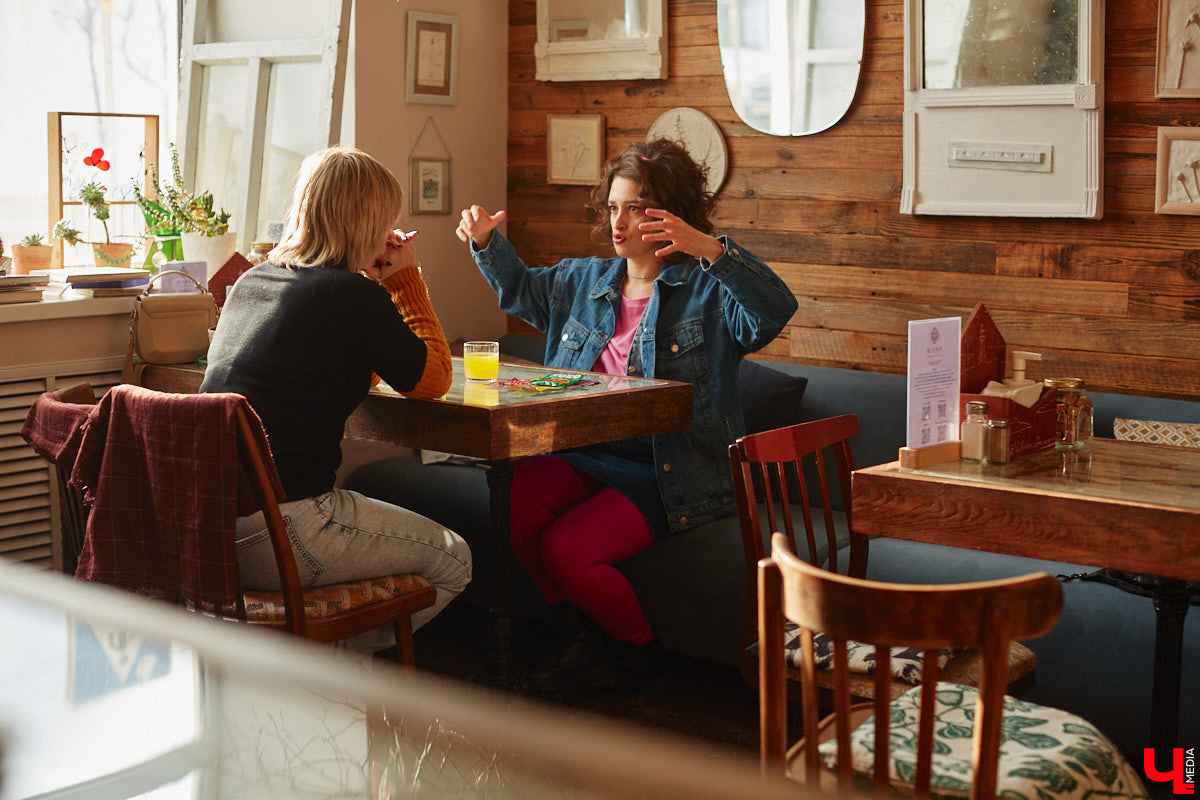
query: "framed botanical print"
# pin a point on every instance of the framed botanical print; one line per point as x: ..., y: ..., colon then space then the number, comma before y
x: 429, y: 191
x: 574, y: 148
x: 1177, y: 178
x: 432, y: 59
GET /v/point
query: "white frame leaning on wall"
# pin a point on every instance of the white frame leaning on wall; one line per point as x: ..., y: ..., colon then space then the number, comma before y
x: 1044, y: 149
x: 258, y: 56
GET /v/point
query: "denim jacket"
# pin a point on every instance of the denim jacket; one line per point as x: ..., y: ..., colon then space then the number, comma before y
x: 701, y: 320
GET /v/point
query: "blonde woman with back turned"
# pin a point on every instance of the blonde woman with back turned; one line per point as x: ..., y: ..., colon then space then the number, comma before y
x: 339, y: 304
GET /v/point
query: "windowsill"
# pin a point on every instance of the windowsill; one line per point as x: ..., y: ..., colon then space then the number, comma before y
x: 56, y: 304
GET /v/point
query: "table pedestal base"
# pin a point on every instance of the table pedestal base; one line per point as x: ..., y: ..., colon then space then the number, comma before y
x: 499, y: 480
x: 1171, y: 598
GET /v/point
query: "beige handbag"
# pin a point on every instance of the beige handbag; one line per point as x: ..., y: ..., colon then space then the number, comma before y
x: 169, y: 328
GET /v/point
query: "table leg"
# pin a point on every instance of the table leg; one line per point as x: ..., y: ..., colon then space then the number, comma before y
x: 499, y: 480
x: 1171, y: 599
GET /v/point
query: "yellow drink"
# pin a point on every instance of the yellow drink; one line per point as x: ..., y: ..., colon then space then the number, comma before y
x: 481, y: 366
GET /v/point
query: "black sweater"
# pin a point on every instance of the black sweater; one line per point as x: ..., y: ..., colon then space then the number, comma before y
x: 300, y: 345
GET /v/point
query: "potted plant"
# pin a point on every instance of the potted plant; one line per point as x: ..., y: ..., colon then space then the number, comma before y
x: 107, y: 253
x: 203, y: 231
x: 31, y: 254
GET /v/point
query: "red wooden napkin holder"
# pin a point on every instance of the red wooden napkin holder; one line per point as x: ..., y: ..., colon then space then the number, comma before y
x: 984, y: 354
x: 226, y: 276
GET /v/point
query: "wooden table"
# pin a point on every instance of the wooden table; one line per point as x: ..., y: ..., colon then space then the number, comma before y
x: 1117, y: 505
x: 475, y: 419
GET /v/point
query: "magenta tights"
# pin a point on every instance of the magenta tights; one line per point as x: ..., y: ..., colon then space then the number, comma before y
x: 568, y: 530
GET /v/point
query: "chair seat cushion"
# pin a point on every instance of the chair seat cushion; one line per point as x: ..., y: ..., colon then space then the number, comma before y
x: 962, y: 666
x: 329, y: 601
x: 905, y: 661
x: 1044, y: 752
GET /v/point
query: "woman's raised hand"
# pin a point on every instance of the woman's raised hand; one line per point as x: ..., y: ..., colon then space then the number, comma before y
x: 666, y: 227
x: 477, y: 225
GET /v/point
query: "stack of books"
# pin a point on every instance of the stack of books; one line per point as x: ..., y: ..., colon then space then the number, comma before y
x: 21, y: 288
x: 99, y: 281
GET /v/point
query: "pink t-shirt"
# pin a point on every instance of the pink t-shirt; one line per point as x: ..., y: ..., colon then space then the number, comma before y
x: 614, y: 359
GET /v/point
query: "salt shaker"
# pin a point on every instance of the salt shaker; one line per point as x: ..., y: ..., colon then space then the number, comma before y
x: 974, y: 432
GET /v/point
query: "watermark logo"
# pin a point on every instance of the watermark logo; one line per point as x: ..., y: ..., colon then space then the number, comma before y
x: 1182, y: 773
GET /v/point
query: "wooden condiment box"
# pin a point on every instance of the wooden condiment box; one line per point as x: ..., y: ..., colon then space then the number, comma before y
x: 984, y: 357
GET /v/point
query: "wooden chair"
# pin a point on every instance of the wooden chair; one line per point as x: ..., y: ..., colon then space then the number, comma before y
x: 323, y: 614
x: 1044, y: 750
x: 786, y: 480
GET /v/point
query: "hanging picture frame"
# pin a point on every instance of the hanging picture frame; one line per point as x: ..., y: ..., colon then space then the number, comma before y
x: 1177, y: 56
x: 432, y: 59
x: 429, y: 191
x: 1177, y: 177
x: 574, y: 148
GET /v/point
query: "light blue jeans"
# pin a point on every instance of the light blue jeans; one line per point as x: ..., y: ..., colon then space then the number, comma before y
x: 345, y: 536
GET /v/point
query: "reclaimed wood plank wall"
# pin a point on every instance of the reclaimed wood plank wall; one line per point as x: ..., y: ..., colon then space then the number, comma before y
x: 1115, y: 301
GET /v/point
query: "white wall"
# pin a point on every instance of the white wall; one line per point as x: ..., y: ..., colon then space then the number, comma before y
x: 474, y: 131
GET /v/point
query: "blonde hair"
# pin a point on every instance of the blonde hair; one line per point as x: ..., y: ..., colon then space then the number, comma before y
x: 344, y: 204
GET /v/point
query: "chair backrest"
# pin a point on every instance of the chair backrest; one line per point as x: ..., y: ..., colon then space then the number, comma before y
x: 167, y: 476
x: 988, y: 615
x: 48, y: 429
x: 787, y: 480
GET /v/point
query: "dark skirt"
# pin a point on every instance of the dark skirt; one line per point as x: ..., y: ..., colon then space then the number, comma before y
x: 628, y: 467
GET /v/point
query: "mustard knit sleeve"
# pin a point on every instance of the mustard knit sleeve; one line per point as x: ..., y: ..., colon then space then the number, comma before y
x: 411, y: 296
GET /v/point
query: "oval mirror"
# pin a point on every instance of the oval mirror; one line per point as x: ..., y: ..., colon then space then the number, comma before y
x: 791, y: 66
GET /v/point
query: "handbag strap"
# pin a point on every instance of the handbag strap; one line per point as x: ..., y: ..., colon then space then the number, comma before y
x: 153, y: 278
x: 131, y: 372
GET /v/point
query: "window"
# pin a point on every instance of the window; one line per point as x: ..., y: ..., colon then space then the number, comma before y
x: 79, y: 56
x: 287, y: 91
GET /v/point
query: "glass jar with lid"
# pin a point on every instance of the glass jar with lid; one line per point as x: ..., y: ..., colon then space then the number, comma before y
x: 1074, y: 427
x: 259, y: 251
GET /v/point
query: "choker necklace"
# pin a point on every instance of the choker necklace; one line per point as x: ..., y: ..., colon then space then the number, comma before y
x: 633, y: 277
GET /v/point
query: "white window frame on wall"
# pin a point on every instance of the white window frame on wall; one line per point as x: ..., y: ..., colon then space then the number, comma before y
x: 1032, y: 131
x: 643, y: 58
x: 258, y: 56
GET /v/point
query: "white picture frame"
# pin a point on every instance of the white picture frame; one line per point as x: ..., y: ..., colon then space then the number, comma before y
x: 431, y: 62
x: 1177, y: 173
x: 1177, y: 54
x: 574, y: 148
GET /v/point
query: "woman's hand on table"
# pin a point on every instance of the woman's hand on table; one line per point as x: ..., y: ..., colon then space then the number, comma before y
x: 399, y: 253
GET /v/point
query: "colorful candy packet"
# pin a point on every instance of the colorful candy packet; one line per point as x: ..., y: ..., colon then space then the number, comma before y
x: 548, y: 383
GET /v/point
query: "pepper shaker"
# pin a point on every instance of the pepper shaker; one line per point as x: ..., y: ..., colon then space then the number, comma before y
x: 998, y: 441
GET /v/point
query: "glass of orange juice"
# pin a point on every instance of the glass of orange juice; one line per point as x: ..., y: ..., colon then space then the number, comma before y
x: 481, y: 360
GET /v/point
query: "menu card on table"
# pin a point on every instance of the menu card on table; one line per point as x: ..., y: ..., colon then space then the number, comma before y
x: 933, y: 368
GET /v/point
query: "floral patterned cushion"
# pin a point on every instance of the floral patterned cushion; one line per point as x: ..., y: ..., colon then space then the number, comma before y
x: 905, y: 662
x: 1180, y: 434
x: 326, y: 601
x: 1044, y: 753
